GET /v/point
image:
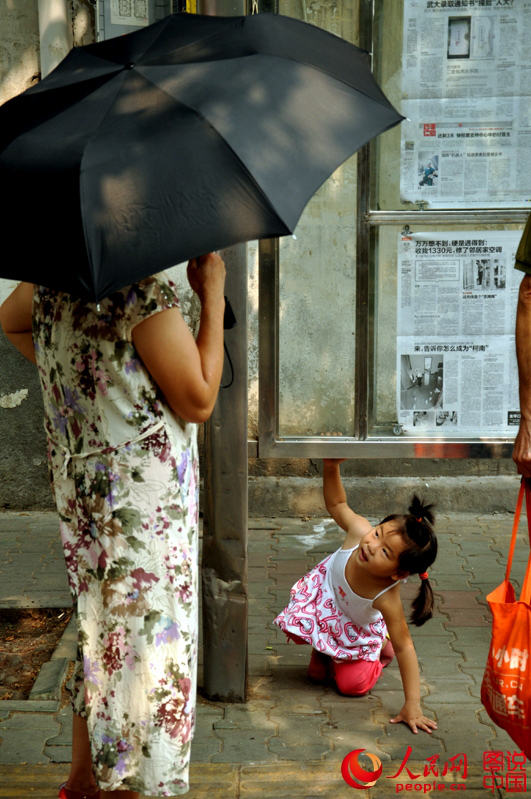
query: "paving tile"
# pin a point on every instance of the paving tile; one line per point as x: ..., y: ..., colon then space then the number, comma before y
x: 58, y: 754
x: 264, y: 523
x: 30, y: 706
x: 243, y: 746
x: 468, y: 617
x: 24, y: 735
x: 64, y: 719
x: 432, y: 629
x: 459, y: 581
x: 444, y: 665
x: 350, y: 725
x: 260, y: 664
x: 296, y: 731
x: 461, y: 729
x: 396, y: 738
x: 389, y: 680
x: 247, y: 717
x: 300, y: 780
x: 457, y: 599
x: 204, y: 749
x: 473, y: 644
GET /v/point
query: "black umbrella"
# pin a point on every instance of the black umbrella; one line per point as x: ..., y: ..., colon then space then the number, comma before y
x: 187, y: 136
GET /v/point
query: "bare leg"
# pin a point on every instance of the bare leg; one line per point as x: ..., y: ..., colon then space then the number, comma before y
x: 81, y: 775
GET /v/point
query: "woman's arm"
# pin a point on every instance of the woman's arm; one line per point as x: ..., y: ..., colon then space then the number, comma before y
x: 390, y: 605
x: 188, y: 371
x: 16, y: 319
x: 336, y: 504
x: 522, y: 444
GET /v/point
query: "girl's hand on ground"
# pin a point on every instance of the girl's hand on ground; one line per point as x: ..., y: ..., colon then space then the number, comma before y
x: 415, y: 719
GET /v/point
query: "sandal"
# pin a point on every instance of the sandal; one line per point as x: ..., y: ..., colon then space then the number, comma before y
x: 68, y: 793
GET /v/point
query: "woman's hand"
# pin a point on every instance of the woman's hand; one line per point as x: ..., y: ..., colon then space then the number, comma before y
x: 333, y: 461
x: 206, y: 275
x: 412, y: 715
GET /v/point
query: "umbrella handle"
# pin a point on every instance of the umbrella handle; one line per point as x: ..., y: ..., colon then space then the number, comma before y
x: 229, y: 320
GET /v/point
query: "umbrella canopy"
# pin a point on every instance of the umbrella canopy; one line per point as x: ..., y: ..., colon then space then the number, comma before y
x: 190, y: 135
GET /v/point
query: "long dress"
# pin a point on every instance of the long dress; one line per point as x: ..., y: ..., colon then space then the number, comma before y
x: 124, y: 473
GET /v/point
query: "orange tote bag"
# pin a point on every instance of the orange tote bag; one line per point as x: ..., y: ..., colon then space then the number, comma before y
x: 506, y: 686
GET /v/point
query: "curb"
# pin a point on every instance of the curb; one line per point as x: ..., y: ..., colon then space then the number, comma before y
x: 303, y: 496
x: 45, y: 695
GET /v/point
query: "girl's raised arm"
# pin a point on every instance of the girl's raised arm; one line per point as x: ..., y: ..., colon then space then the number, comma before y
x: 336, y: 504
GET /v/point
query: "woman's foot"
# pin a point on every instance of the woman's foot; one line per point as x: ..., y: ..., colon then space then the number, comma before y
x: 318, y: 668
x: 70, y: 793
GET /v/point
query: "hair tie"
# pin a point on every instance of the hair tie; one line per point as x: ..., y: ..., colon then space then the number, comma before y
x: 423, y: 576
x: 419, y: 519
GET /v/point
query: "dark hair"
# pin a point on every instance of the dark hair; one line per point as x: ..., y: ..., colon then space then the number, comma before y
x: 421, y: 551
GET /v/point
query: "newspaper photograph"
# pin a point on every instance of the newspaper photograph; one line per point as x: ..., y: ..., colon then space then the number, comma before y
x: 466, y: 90
x: 456, y: 361
x: 130, y: 12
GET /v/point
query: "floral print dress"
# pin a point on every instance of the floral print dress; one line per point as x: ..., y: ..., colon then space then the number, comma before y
x: 124, y: 473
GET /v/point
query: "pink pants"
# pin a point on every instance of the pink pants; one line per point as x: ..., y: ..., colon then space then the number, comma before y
x: 352, y: 677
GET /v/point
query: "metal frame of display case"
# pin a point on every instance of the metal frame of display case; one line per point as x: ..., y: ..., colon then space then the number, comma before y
x: 363, y: 443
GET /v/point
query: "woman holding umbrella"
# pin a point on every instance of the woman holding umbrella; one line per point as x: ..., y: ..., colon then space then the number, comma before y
x: 124, y: 384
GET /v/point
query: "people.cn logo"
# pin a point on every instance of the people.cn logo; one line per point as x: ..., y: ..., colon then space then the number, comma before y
x: 355, y: 775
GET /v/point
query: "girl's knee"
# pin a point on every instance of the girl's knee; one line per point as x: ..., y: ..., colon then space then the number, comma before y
x: 351, y: 687
x: 356, y: 679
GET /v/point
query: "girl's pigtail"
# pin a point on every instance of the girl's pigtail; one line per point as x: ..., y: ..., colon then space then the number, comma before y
x: 422, y: 605
x: 419, y: 555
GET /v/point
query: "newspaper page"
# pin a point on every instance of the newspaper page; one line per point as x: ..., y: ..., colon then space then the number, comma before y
x: 466, y: 86
x: 456, y: 361
x: 130, y: 12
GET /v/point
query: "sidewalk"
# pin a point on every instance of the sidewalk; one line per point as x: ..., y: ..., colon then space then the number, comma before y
x: 291, y: 736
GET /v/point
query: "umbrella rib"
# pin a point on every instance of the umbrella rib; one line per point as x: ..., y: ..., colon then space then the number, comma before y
x: 187, y: 44
x: 344, y: 82
x: 120, y: 79
x: 227, y: 144
x: 238, y: 20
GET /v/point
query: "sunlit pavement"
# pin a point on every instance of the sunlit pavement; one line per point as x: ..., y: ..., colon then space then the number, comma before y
x: 291, y: 736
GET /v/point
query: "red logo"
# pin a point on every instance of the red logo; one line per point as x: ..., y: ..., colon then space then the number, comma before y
x: 430, y: 129
x: 355, y: 775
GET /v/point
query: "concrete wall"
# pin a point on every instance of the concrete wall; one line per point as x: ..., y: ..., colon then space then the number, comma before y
x: 23, y: 459
x: 23, y: 470
x: 19, y: 46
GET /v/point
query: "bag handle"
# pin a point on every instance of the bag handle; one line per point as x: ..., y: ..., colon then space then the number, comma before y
x: 516, y: 522
x: 525, y: 595
x: 525, y: 488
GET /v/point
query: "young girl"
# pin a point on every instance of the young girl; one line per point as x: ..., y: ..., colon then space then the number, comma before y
x: 348, y: 605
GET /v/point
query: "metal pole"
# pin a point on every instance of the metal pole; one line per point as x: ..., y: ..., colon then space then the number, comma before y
x: 55, y: 33
x: 224, y: 565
